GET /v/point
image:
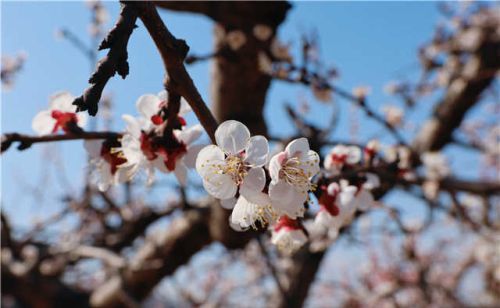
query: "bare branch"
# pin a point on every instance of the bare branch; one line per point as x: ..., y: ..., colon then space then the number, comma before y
x: 114, y: 62
x: 463, y: 93
x: 25, y: 141
x: 160, y: 256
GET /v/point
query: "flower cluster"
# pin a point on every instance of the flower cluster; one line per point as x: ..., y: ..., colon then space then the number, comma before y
x: 60, y: 115
x: 151, y: 140
x: 233, y: 171
x: 339, y: 200
x: 148, y: 144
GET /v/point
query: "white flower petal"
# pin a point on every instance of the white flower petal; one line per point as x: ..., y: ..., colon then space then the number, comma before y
x: 43, y: 123
x: 328, y: 221
x: 253, y: 183
x: 162, y: 95
x: 148, y: 105
x: 181, y: 173
x: 185, y: 107
x: 256, y: 151
x: 347, y: 204
x: 333, y: 233
x: 232, y: 136
x: 82, y: 119
x: 228, y: 204
x: 347, y: 194
x: 275, y: 165
x: 150, y: 174
x: 131, y: 148
x: 133, y: 125
x: 244, y: 213
x: 288, y: 241
x: 124, y: 173
x: 189, y: 135
x: 310, y: 163
x: 192, y: 152
x: 353, y: 155
x: 207, y: 157
x: 297, y: 148
x: 235, y: 227
x: 62, y: 101
x: 372, y: 181
x: 328, y: 162
x: 159, y: 164
x: 285, y: 199
x: 93, y: 148
x: 220, y: 186
x: 333, y: 188
x: 105, y: 177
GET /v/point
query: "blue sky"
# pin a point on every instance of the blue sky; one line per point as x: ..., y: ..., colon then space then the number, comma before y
x: 370, y: 43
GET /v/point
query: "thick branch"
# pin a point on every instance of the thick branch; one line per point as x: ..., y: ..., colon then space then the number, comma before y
x: 302, y: 275
x: 237, y: 14
x: 34, y: 290
x: 160, y: 256
x: 122, y: 237
x: 463, y: 93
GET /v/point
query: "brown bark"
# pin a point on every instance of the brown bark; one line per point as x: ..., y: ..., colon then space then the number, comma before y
x: 237, y: 14
x: 301, y: 278
x: 33, y: 290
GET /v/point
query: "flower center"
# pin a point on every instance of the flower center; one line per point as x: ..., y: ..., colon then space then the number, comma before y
x: 64, y: 120
x: 327, y: 202
x: 112, y: 156
x: 235, y: 167
x: 171, y: 153
x: 287, y: 224
x: 263, y: 215
x: 168, y: 147
x: 293, y: 173
x: 339, y: 159
x: 147, y: 147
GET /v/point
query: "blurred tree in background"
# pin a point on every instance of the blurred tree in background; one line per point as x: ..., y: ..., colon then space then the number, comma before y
x: 289, y: 242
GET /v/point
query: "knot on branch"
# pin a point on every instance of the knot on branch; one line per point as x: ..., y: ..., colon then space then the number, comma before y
x: 182, y: 48
x: 114, y: 62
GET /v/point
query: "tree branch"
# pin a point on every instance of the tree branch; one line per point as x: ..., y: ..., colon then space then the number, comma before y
x: 25, y: 141
x: 173, y: 52
x: 463, y: 93
x: 114, y: 62
x: 160, y: 256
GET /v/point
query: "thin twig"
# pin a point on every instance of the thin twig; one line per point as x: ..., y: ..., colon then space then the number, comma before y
x: 114, y: 62
x: 25, y: 141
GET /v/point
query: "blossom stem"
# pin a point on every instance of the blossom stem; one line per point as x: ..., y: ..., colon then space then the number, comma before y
x: 25, y: 141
